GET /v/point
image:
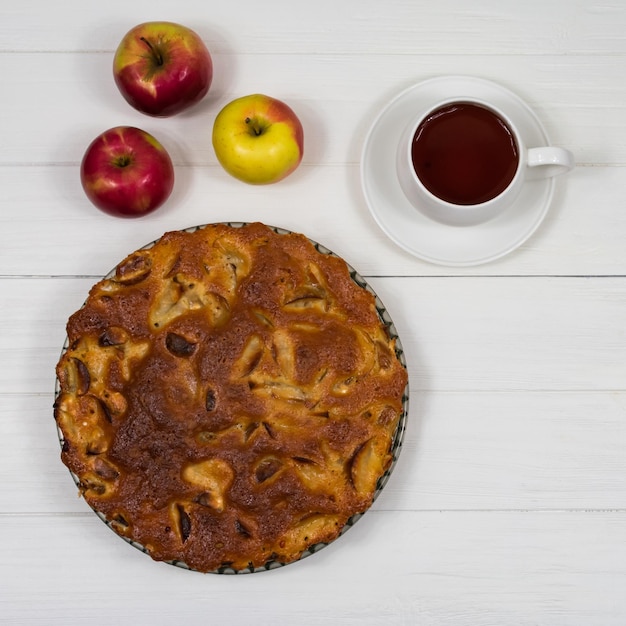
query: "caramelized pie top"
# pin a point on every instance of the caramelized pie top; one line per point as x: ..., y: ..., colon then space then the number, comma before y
x: 229, y: 397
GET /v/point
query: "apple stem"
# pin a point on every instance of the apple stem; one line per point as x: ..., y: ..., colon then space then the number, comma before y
x: 123, y: 161
x: 256, y: 128
x: 156, y: 53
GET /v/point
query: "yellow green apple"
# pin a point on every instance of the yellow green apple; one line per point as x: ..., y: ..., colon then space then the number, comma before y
x: 258, y: 139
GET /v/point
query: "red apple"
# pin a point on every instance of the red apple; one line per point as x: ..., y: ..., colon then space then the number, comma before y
x: 258, y: 139
x: 162, y: 68
x: 126, y: 172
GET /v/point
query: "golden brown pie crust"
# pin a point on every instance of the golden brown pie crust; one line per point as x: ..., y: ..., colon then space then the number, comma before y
x: 229, y: 397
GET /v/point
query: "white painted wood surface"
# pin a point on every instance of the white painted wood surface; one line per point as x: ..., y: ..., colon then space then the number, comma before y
x: 508, y: 504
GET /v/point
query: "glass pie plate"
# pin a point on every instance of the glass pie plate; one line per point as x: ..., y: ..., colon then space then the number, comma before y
x: 397, y: 438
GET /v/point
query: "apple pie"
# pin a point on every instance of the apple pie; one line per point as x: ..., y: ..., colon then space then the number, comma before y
x: 230, y: 397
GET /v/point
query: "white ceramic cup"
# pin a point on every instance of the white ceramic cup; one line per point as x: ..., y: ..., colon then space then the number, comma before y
x: 533, y: 163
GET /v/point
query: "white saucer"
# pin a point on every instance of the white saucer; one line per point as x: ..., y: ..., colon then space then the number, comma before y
x: 414, y: 232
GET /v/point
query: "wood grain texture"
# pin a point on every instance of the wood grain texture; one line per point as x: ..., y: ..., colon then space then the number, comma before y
x: 582, y: 235
x: 508, y: 504
x: 352, y: 26
x: 463, y: 568
x: 459, y: 334
x: 337, y: 99
x: 478, y: 451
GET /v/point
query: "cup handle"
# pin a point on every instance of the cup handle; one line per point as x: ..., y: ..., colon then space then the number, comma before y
x: 549, y: 161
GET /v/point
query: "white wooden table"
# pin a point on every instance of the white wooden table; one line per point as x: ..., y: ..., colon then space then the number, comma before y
x: 508, y: 504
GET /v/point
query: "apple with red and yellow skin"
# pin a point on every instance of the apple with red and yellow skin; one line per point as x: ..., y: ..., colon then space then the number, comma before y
x: 162, y: 68
x: 258, y: 139
x: 126, y: 172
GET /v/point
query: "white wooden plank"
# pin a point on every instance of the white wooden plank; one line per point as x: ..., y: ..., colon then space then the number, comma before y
x: 524, y: 334
x: 458, y: 333
x: 462, y: 451
x: 337, y: 99
x: 352, y: 26
x: 467, y: 569
x: 507, y: 506
x: 517, y: 450
x: 56, y: 231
